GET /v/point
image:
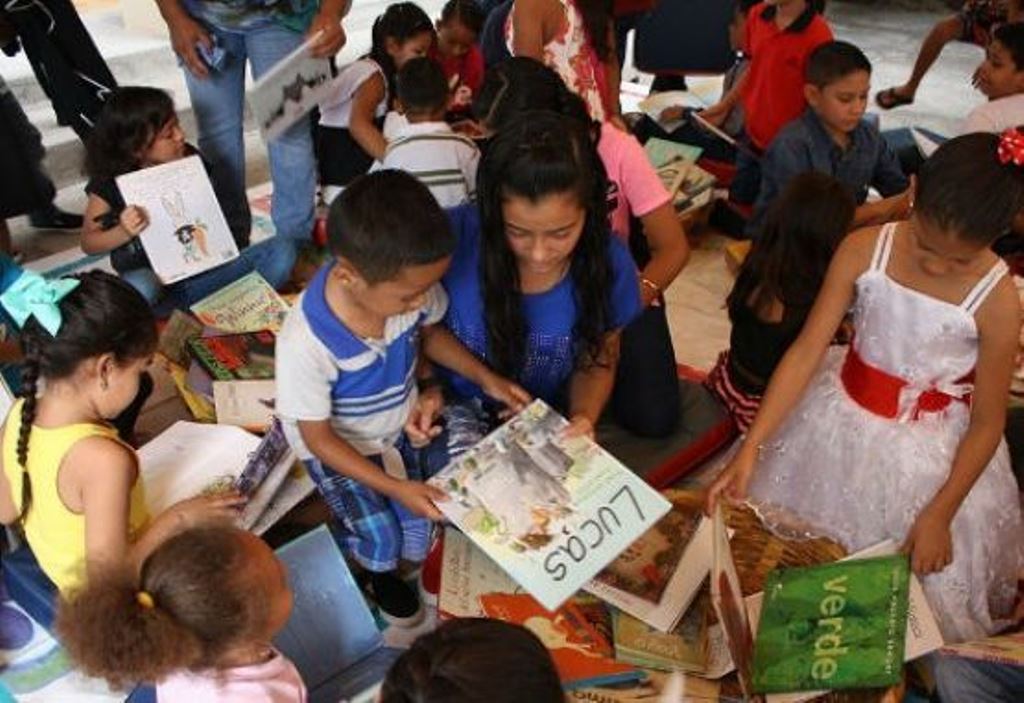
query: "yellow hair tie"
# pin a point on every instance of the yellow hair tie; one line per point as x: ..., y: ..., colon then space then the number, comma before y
x: 145, y: 600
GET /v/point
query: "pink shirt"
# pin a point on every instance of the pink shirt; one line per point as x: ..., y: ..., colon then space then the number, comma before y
x: 274, y: 681
x: 634, y: 186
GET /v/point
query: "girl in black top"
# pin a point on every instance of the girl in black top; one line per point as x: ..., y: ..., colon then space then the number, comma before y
x: 776, y: 288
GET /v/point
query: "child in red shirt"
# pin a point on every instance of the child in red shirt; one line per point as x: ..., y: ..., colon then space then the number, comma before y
x: 780, y: 35
x: 457, y: 50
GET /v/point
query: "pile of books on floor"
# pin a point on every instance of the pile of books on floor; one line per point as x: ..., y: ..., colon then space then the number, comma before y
x: 690, y: 186
x: 221, y: 358
x: 632, y: 590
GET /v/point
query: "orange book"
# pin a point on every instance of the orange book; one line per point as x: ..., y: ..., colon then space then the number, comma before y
x: 578, y: 648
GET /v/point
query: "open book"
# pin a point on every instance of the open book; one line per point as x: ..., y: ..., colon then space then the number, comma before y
x: 550, y: 511
x: 191, y: 459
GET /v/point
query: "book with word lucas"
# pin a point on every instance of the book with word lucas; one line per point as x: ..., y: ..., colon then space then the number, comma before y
x: 187, y: 233
x: 550, y: 511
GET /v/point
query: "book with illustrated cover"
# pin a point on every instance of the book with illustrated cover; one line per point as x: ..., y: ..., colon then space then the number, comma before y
x: 683, y: 649
x: 235, y: 357
x: 173, y: 342
x: 289, y: 90
x: 656, y: 103
x: 551, y: 511
x: 466, y: 574
x: 171, y: 470
x: 833, y: 626
x: 727, y: 601
x: 1000, y: 649
x: 694, y: 189
x: 581, y: 654
x: 187, y: 233
x: 663, y: 151
x: 249, y: 304
x: 657, y: 577
x: 248, y: 404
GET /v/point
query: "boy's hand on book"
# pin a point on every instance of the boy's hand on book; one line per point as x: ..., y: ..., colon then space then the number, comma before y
x: 422, y: 423
x: 420, y: 498
x: 507, y: 392
x: 134, y: 219
x: 929, y: 543
x: 732, y: 483
x: 715, y: 114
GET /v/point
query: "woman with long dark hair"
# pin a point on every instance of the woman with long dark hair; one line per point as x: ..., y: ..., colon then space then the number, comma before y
x: 539, y: 288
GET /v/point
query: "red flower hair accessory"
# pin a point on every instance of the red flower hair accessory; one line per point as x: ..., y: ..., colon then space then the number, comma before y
x: 1011, y: 147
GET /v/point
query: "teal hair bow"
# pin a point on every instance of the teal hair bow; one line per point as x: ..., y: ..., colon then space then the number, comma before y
x: 34, y: 296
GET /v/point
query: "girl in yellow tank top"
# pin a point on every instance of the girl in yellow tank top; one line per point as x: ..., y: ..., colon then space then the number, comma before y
x: 66, y: 476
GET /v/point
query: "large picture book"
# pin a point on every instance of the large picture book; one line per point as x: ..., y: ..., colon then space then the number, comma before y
x: 466, y: 574
x: 683, y: 649
x: 288, y: 91
x: 833, y: 626
x: 582, y: 655
x: 171, y: 470
x: 235, y: 357
x: 1000, y: 649
x: 249, y: 304
x: 656, y: 578
x: 728, y: 604
x: 187, y: 232
x: 663, y: 151
x: 550, y: 511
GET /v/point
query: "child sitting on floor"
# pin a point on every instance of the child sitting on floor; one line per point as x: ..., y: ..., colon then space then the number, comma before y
x: 138, y: 128
x: 64, y: 473
x: 474, y: 659
x: 425, y: 146
x: 831, y: 137
x: 780, y: 35
x: 901, y: 436
x: 348, y: 371
x: 350, y: 136
x: 776, y: 286
x: 458, y: 53
x: 1001, y: 78
x: 196, y: 619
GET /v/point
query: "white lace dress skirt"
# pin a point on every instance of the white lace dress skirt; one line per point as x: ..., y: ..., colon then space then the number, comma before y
x: 836, y: 469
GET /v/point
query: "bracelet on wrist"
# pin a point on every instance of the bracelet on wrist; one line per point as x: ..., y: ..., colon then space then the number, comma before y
x: 654, y: 287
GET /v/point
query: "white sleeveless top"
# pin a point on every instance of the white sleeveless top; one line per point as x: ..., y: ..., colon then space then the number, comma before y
x: 929, y: 343
x: 336, y: 107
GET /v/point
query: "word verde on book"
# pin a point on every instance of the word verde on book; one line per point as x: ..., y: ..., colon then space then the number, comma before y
x: 550, y: 511
x: 839, y: 625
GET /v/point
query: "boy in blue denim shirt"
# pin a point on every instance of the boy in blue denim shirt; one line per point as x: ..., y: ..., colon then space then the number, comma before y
x: 832, y: 137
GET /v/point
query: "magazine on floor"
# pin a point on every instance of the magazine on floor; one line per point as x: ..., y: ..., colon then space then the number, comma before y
x: 187, y: 232
x: 551, y: 511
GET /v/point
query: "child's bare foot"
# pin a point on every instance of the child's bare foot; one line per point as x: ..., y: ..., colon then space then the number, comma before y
x: 893, y: 97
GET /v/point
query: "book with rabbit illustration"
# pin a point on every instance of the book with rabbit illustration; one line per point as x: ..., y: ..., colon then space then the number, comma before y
x: 187, y: 233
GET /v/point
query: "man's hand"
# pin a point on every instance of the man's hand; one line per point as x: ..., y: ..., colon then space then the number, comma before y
x: 186, y: 36
x: 332, y: 36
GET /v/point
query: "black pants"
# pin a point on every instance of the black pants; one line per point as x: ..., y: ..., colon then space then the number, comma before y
x: 646, y: 396
x: 24, y: 186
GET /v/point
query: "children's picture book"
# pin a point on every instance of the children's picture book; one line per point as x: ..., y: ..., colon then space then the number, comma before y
x: 187, y: 232
x: 288, y: 91
x: 656, y: 578
x: 248, y: 404
x: 466, y: 574
x: 683, y: 649
x: 581, y: 654
x: 173, y: 342
x: 171, y: 470
x: 727, y: 600
x: 673, y: 173
x: 1000, y: 649
x: 249, y: 304
x: 663, y: 151
x: 235, y: 357
x: 551, y: 511
x: 694, y: 190
x: 833, y: 626
x: 200, y: 406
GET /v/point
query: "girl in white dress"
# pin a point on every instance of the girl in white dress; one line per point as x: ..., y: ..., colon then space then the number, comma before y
x: 900, y: 436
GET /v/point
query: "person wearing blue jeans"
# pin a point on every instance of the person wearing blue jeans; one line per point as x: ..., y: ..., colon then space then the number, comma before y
x: 214, y: 39
x: 960, y: 680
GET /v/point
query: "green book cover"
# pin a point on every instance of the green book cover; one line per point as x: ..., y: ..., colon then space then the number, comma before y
x: 833, y: 626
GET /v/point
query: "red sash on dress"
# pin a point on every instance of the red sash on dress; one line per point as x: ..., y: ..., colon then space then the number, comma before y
x: 879, y: 392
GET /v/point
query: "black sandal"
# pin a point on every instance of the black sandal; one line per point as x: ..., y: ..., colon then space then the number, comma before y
x: 888, y: 99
